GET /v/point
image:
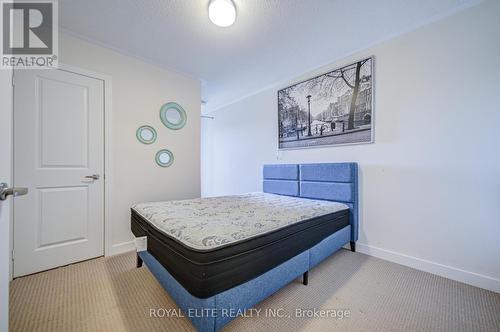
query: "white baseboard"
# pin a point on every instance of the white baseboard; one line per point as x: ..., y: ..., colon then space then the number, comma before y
x: 120, y: 248
x: 449, y: 272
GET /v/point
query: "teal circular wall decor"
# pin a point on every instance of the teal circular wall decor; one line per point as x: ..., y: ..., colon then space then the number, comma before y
x: 164, y: 158
x: 146, y: 134
x: 173, y: 116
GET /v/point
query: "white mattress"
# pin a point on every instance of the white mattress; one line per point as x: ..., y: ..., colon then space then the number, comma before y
x: 209, y: 223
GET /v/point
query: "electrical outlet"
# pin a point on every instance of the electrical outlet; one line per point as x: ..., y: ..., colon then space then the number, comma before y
x: 141, y: 243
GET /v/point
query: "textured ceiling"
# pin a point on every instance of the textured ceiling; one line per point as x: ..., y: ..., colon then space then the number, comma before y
x: 271, y: 41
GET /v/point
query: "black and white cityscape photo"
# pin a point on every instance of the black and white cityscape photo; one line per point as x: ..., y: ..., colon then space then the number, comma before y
x: 330, y: 109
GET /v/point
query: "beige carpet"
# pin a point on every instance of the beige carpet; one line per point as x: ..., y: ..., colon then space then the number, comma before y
x: 110, y: 294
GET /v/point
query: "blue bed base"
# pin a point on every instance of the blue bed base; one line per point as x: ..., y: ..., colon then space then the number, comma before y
x: 332, y: 181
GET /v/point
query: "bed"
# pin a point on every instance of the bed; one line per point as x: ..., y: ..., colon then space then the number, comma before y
x: 216, y: 256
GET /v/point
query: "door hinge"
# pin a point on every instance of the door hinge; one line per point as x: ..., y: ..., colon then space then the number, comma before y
x: 12, y: 255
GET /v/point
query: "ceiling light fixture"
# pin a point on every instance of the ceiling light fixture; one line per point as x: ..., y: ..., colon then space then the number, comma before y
x: 222, y: 12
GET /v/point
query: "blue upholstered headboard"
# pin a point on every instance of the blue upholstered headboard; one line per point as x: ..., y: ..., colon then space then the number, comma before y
x: 329, y: 181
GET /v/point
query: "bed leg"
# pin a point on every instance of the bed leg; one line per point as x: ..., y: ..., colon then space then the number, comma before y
x: 305, y: 278
x: 139, y: 261
x: 353, y: 246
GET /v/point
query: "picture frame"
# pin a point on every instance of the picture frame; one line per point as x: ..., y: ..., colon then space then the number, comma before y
x: 319, y: 112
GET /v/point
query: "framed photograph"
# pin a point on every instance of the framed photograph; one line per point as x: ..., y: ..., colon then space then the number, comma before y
x: 334, y: 108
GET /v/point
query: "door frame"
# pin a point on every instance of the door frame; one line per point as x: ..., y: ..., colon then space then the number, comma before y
x: 6, y: 208
x: 108, y: 156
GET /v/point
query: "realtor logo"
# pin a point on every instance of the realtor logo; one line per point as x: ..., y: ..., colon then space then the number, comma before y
x: 29, y: 34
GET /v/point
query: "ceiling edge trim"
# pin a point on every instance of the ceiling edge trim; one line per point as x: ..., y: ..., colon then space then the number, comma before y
x: 291, y: 79
x: 128, y: 54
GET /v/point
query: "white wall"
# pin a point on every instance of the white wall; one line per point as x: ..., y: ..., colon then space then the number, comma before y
x: 430, y: 184
x: 5, y: 176
x: 139, y: 90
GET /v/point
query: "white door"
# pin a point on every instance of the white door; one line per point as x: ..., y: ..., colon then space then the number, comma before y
x: 59, y: 156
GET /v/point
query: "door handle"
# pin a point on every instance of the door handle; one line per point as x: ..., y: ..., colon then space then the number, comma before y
x: 5, y: 191
x: 93, y: 177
